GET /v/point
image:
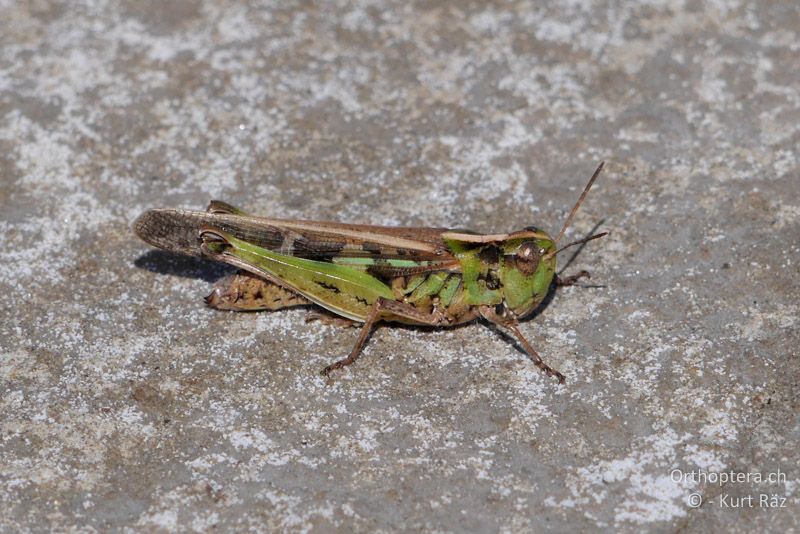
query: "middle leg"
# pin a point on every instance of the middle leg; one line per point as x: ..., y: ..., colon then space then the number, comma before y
x: 382, y: 310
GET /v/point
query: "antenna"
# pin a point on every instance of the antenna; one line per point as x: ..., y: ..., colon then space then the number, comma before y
x: 580, y: 201
x: 578, y: 242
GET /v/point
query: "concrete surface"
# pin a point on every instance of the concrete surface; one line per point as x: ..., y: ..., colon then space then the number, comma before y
x: 127, y: 405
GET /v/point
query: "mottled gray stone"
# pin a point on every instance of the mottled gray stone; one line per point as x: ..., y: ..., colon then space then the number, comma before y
x: 126, y: 404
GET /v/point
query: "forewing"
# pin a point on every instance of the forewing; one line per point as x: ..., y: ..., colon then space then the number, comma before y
x: 382, y: 251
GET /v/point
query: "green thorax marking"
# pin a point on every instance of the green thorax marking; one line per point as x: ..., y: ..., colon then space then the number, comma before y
x: 479, y: 272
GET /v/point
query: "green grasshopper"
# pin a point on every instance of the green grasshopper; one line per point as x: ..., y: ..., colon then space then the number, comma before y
x: 367, y: 274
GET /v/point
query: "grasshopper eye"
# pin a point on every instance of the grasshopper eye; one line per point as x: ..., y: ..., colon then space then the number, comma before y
x: 527, y: 257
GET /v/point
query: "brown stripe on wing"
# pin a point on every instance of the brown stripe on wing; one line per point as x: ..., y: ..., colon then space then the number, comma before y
x: 178, y: 230
x: 359, y: 240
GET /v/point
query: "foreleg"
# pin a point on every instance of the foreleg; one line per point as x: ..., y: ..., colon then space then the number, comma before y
x: 571, y: 280
x: 509, y: 322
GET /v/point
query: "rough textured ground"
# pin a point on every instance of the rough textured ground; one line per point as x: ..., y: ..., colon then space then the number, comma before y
x: 125, y: 403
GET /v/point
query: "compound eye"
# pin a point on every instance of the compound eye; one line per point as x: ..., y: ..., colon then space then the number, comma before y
x: 528, y: 257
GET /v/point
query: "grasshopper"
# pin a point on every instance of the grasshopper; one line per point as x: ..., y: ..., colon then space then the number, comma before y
x: 367, y: 274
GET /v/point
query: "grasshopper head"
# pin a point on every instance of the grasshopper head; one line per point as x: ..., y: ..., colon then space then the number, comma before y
x: 530, y: 261
x: 527, y: 269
